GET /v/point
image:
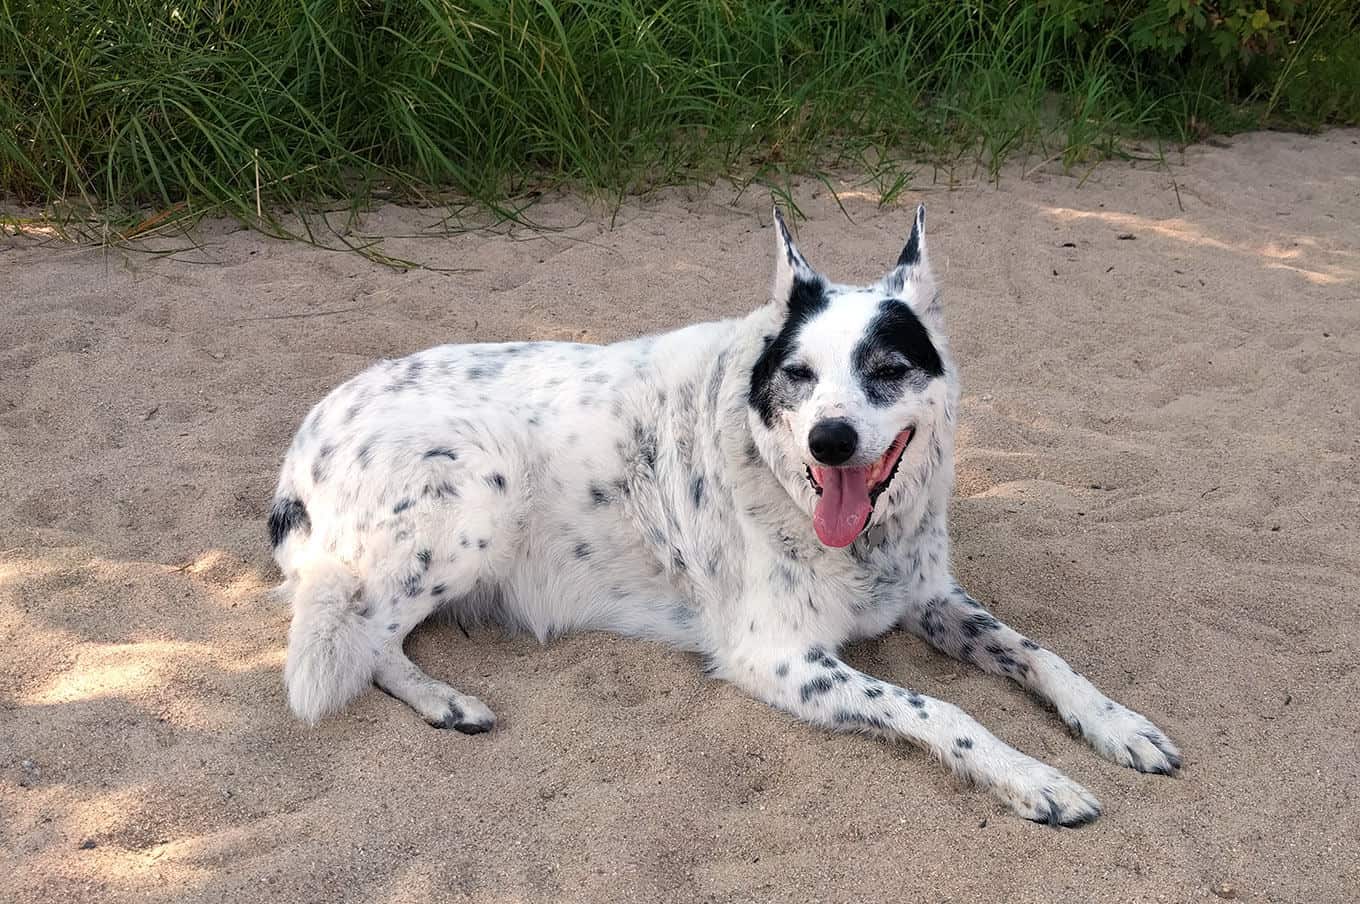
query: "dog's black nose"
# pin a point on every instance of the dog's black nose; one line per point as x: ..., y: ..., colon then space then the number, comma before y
x: 833, y: 441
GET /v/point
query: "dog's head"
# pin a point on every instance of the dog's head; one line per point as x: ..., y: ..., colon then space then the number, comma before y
x: 853, y: 389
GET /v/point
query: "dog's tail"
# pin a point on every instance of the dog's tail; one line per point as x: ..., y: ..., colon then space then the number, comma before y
x: 331, y: 656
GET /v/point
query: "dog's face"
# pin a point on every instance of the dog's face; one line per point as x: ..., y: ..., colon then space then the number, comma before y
x: 852, y: 387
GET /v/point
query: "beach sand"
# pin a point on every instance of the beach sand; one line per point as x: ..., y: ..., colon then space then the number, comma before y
x: 1158, y: 477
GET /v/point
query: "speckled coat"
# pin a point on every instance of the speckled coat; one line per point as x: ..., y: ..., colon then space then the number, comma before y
x: 665, y: 488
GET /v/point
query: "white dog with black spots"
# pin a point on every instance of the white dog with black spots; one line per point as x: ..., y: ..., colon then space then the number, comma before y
x: 759, y: 491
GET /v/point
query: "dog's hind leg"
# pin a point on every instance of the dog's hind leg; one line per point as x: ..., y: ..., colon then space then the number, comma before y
x: 452, y: 532
x: 955, y: 623
x: 814, y: 685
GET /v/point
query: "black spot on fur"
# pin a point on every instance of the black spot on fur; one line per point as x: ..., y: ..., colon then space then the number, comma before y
x: 599, y: 495
x: 896, y: 332
x: 782, y: 670
x: 814, y: 688
x: 850, y: 717
x: 412, y: 585
x: 978, y: 622
x: 402, y: 506
x: 423, y: 557
x: 321, y: 467
x: 287, y: 515
x: 365, y: 455
x: 438, y: 590
x: 583, y: 550
x: 807, y: 298
x: 441, y: 490
x: 1029, y: 644
x: 696, y: 490
x: 873, y: 692
x: 964, y: 743
x: 496, y: 480
x: 816, y: 655
x: 441, y: 452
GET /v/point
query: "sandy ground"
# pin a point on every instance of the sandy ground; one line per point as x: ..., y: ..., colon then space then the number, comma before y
x: 1158, y: 476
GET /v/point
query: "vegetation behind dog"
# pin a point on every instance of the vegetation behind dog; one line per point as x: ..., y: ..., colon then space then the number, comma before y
x: 266, y: 104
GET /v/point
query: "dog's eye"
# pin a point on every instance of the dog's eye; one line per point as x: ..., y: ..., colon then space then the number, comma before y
x: 889, y: 372
x: 799, y: 373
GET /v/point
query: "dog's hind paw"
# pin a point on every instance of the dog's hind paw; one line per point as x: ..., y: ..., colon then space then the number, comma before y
x: 1041, y: 793
x: 1123, y: 736
x: 466, y: 715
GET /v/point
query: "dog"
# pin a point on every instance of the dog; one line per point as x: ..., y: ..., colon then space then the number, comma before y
x: 760, y: 491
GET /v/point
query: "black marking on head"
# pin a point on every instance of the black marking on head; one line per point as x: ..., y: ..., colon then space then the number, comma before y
x: 496, y: 479
x: 423, y: 557
x: 402, y: 506
x: 287, y: 515
x: 442, y: 452
x: 895, y: 335
x: 807, y: 298
x: 582, y: 550
x: 795, y: 259
x: 911, y: 253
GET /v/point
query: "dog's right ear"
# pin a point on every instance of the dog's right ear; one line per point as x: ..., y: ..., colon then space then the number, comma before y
x: 790, y: 268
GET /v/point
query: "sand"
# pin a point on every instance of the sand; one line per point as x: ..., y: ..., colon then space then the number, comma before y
x: 1158, y: 476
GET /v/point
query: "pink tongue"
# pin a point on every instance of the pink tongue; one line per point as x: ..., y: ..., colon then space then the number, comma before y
x: 844, y: 506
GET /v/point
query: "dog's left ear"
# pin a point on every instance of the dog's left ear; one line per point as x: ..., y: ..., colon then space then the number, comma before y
x: 910, y: 278
x: 790, y: 268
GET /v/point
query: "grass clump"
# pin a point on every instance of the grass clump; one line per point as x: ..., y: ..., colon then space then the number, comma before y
x: 246, y: 106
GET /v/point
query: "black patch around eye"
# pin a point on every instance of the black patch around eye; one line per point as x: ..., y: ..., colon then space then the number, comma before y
x: 807, y: 298
x: 889, y: 372
x: 897, y: 330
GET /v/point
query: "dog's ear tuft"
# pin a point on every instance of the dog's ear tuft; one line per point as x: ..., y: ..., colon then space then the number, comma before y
x: 789, y: 266
x: 914, y: 252
x: 910, y: 278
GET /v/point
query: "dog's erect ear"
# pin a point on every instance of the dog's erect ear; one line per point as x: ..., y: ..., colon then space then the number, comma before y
x: 910, y: 278
x: 789, y: 266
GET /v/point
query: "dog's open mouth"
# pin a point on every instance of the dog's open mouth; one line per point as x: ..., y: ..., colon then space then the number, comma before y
x: 847, y: 495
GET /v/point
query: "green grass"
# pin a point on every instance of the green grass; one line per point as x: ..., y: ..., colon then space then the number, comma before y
x: 111, y: 107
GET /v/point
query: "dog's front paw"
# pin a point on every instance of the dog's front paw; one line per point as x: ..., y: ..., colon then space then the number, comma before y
x: 1122, y: 735
x: 1040, y: 793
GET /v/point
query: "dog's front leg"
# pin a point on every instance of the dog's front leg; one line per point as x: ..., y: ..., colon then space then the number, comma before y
x: 955, y: 623
x: 810, y: 682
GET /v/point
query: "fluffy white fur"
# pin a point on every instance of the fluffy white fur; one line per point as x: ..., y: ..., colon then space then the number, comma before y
x: 636, y: 488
